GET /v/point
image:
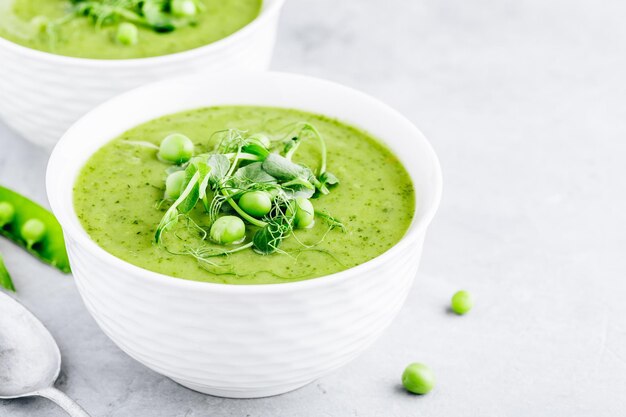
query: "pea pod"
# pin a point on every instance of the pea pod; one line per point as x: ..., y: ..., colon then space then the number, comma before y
x: 5, y: 278
x: 50, y: 248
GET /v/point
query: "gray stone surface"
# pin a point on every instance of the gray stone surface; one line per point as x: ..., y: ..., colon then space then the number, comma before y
x: 524, y: 101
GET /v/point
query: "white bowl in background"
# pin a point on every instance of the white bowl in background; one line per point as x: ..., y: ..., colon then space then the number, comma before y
x: 42, y: 94
x: 237, y: 340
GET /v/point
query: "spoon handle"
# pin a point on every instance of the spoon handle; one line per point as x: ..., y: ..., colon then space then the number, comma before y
x: 63, y: 401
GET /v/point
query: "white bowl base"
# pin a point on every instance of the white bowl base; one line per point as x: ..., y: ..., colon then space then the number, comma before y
x: 241, y: 393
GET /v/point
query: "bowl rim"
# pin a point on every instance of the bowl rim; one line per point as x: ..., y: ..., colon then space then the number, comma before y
x: 416, y: 229
x: 265, y: 14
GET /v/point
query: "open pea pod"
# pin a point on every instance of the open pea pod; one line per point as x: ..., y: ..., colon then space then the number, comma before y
x: 51, y: 247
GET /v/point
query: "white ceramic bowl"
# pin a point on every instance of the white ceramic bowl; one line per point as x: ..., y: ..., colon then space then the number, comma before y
x: 42, y: 94
x: 243, y: 341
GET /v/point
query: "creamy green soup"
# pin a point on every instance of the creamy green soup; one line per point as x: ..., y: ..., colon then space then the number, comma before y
x: 24, y: 22
x: 118, y: 197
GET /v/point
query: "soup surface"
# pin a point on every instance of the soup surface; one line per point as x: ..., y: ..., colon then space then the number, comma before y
x: 21, y: 22
x: 118, y: 198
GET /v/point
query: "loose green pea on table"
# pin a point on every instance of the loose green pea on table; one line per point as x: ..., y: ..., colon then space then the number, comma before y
x: 462, y: 302
x: 418, y: 378
x: 32, y: 227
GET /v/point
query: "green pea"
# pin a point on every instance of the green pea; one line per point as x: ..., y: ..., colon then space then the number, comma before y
x: 33, y: 231
x: 418, y: 378
x: 176, y: 148
x: 256, y: 203
x: 257, y: 144
x: 174, y: 184
x: 183, y: 8
x: 305, y: 213
x: 127, y: 34
x: 228, y: 229
x: 462, y: 302
x: 7, y: 213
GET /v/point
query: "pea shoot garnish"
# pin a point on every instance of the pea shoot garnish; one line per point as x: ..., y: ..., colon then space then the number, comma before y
x: 126, y: 16
x: 247, y: 184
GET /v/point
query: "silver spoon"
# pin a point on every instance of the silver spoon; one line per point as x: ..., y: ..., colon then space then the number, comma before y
x: 30, y: 360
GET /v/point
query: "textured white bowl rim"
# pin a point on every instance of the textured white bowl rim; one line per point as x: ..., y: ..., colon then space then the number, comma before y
x: 265, y: 14
x: 418, y: 225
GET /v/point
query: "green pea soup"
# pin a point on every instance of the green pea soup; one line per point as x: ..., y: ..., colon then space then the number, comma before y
x: 118, y: 197
x: 20, y: 22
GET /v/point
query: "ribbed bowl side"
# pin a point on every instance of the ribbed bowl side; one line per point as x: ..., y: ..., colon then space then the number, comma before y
x: 41, y: 97
x: 244, y: 344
